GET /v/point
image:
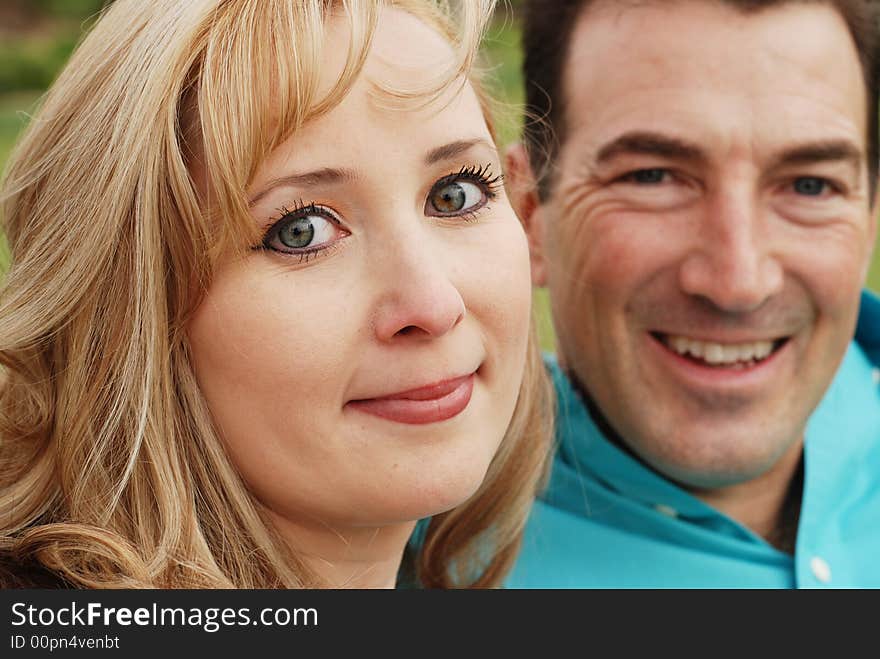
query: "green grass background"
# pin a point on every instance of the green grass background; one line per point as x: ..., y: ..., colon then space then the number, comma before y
x: 30, y: 60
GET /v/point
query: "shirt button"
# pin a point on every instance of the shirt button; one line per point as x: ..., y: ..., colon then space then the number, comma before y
x: 821, y: 569
x: 876, y: 375
x: 663, y: 509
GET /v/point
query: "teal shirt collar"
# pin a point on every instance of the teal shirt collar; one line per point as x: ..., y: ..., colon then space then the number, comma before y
x: 585, y: 449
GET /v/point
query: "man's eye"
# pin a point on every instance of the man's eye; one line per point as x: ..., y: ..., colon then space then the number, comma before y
x: 810, y: 186
x: 646, y: 176
x: 455, y: 197
x: 306, y: 230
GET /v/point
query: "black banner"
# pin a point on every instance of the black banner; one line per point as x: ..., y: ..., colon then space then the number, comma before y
x: 409, y: 622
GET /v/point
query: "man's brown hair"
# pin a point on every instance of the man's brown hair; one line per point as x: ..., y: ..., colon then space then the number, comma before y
x: 548, y: 26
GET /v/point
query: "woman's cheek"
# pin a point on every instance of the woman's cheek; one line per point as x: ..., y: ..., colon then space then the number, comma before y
x: 501, y: 289
x: 261, y: 334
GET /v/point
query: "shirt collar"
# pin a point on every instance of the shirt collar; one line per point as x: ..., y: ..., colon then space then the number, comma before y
x: 585, y: 448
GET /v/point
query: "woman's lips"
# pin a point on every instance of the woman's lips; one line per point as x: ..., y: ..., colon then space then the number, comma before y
x: 430, y: 404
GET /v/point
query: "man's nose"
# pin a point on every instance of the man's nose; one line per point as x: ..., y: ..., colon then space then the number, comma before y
x: 732, y: 263
x: 418, y: 296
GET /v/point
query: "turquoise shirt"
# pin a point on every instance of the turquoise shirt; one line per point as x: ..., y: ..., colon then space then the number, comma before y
x: 607, y: 520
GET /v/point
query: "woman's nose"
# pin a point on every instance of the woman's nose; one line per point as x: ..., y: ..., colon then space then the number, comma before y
x: 419, y: 297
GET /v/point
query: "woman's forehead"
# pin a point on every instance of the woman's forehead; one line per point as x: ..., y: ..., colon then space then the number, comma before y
x: 404, y: 53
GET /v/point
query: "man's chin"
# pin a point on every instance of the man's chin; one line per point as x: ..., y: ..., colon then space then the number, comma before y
x: 716, y: 459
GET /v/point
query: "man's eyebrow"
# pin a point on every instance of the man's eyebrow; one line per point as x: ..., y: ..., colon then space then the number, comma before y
x: 651, y: 144
x: 822, y: 151
x: 455, y: 149
x: 325, y: 176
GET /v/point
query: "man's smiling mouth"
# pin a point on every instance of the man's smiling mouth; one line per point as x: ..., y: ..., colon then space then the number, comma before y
x: 721, y: 355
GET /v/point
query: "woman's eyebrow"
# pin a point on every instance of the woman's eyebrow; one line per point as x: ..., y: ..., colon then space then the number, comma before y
x: 330, y: 175
x: 455, y: 149
x: 325, y: 176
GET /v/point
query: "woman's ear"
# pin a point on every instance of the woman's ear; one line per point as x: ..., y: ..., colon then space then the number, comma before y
x: 523, y: 191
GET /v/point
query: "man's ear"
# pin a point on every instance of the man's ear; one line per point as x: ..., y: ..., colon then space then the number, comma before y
x: 522, y: 187
x: 872, y: 235
x: 875, y: 209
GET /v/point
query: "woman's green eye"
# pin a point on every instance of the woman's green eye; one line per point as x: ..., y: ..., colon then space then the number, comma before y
x: 450, y: 198
x: 306, y: 230
x: 297, y: 233
x: 455, y: 198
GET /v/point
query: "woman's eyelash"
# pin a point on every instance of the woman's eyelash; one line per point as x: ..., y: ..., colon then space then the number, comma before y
x: 300, y: 207
x: 481, y: 174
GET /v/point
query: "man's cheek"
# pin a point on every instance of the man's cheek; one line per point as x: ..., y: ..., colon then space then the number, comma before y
x: 835, y: 293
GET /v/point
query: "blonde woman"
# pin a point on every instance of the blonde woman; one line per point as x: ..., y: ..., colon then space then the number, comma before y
x: 268, y: 306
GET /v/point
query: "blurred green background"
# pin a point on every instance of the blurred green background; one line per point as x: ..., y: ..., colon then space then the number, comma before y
x: 37, y: 37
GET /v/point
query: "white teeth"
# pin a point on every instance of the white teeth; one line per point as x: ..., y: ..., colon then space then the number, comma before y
x: 763, y: 349
x: 714, y: 353
x: 680, y: 344
x: 717, y: 353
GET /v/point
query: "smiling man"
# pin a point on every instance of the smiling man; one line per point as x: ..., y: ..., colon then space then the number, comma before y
x: 699, y: 200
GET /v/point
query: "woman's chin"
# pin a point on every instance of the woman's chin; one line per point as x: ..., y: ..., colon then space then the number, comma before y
x: 434, y: 494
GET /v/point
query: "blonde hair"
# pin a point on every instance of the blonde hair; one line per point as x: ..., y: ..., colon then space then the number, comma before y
x: 111, y: 472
